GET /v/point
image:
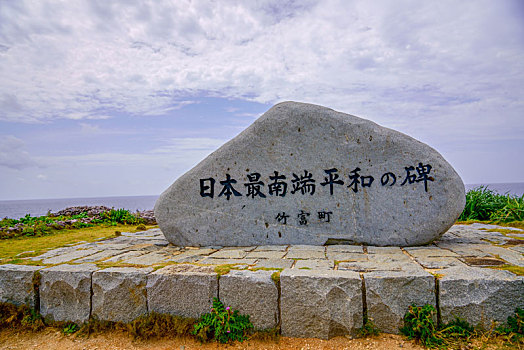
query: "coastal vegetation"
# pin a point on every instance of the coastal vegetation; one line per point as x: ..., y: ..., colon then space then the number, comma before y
x: 70, y: 218
x: 32, y: 236
x: 483, y: 204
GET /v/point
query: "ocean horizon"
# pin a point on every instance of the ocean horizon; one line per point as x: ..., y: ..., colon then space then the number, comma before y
x: 16, y: 209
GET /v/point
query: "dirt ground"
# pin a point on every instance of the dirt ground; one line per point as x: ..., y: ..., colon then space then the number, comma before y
x: 53, y: 339
x: 118, y: 340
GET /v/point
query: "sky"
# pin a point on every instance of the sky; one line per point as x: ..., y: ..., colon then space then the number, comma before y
x: 115, y: 98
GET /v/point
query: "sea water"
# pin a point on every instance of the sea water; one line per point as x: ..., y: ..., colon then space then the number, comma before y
x: 37, y: 207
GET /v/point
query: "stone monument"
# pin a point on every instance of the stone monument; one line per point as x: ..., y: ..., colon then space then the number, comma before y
x: 306, y: 174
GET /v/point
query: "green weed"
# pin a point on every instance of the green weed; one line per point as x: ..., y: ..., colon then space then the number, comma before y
x: 514, y: 330
x: 368, y: 328
x: 419, y: 324
x: 119, y: 216
x: 222, y: 324
x: 70, y: 328
x: 484, y: 204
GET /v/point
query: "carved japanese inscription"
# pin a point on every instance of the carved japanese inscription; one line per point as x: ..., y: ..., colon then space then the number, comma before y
x: 305, y: 174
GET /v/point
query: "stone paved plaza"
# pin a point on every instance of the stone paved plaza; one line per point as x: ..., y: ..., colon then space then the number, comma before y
x: 322, y: 291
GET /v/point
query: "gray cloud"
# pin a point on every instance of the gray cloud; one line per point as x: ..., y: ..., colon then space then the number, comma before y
x: 13, y: 154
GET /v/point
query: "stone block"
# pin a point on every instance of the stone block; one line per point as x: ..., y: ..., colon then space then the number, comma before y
x: 346, y: 256
x: 320, y: 304
x: 192, y: 255
x: 183, y: 290
x: 479, y: 295
x: 253, y: 293
x: 217, y: 261
x: 65, y: 292
x: 119, y: 293
x: 229, y: 254
x: 344, y: 248
x: 104, y: 254
x: 75, y: 254
x: 280, y: 248
x: 17, y: 284
x: 270, y: 254
x: 147, y: 259
x: 434, y: 262
x: 383, y: 250
x: 390, y: 293
x: 275, y: 263
x: 294, y: 253
x: 315, y: 264
x: 381, y: 262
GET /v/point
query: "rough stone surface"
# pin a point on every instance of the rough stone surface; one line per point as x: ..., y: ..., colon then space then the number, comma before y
x: 65, y: 292
x: 71, y: 256
x: 314, y: 264
x: 275, y: 263
x: 119, y: 293
x: 381, y: 262
x: 253, y: 293
x: 479, y: 295
x: 16, y: 284
x: 303, y: 142
x: 183, y: 290
x: 320, y: 304
x: 389, y: 295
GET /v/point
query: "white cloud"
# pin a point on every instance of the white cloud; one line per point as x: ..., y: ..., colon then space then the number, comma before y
x: 190, y: 144
x: 435, y: 70
x: 382, y: 59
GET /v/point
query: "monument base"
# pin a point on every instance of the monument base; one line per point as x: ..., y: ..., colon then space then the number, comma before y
x: 308, y: 291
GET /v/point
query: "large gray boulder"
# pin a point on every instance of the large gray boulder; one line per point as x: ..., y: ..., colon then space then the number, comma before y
x: 306, y: 174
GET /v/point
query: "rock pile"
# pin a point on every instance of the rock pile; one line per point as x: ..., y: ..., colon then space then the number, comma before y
x: 93, y: 216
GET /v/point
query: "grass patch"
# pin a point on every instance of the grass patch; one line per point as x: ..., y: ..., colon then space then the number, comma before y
x: 222, y: 324
x: 20, y: 317
x: 9, y: 249
x: 419, y: 324
x: 275, y: 277
x: 485, y: 204
x: 517, y: 270
x: 223, y: 269
x: 267, y: 269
